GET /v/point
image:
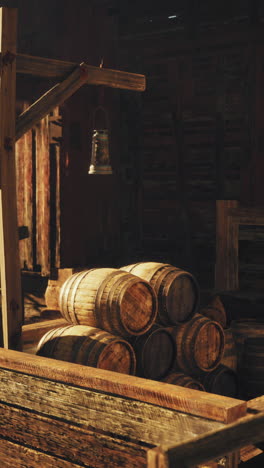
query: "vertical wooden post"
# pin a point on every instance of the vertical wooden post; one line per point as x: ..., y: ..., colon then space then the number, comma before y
x: 226, y: 267
x: 9, y: 254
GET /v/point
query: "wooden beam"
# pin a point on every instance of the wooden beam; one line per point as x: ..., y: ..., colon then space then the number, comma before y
x: 251, y: 216
x: 210, y: 406
x: 52, y: 98
x: 49, y: 68
x: 79, y: 75
x: 23, y: 455
x: 248, y: 430
x: 68, y: 441
x: 9, y: 253
x: 256, y: 405
x: 226, y: 267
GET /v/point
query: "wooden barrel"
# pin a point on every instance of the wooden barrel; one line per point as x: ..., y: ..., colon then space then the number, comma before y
x: 88, y: 346
x: 215, y: 311
x: 251, y: 372
x: 242, y: 330
x: 200, y: 344
x: 52, y: 292
x: 229, y: 358
x: 177, y: 290
x: 183, y: 380
x: 222, y: 381
x: 155, y: 353
x: 110, y: 299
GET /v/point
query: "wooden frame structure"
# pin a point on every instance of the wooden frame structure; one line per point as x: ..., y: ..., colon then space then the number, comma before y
x: 229, y: 215
x: 63, y: 415
x: 70, y: 78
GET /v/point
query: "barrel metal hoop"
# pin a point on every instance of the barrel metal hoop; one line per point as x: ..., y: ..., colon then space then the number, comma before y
x: 182, y: 273
x: 113, y: 304
x: 98, y: 297
x: 76, y: 347
x: 78, y: 279
x: 64, y: 295
x: 222, y: 339
x: 159, y: 288
x: 185, y: 335
x: 55, y: 339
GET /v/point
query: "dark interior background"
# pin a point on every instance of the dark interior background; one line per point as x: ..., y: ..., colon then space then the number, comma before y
x: 194, y: 136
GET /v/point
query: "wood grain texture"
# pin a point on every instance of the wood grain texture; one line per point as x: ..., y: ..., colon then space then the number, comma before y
x: 111, y: 299
x: 200, y: 344
x: 88, y: 346
x: 155, y: 353
x: 102, y: 411
x: 178, y: 378
x: 11, y: 451
x: 229, y: 358
x: 75, y: 443
x: 49, y: 68
x: 176, y: 289
x: 248, y: 430
x: 245, y: 215
x: 226, y: 267
x: 43, y: 174
x: 24, y: 174
x: 190, y: 401
x: 9, y: 259
x: 251, y: 369
x: 52, y: 292
x: 215, y: 311
x: 256, y: 405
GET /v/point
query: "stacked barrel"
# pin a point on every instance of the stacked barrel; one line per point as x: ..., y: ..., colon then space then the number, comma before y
x: 205, y: 352
x: 143, y: 318
x: 223, y: 379
x: 104, y: 308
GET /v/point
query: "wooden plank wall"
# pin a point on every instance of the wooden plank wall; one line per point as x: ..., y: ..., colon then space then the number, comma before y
x: 80, y: 220
x: 38, y: 195
x: 193, y: 138
x: 198, y: 122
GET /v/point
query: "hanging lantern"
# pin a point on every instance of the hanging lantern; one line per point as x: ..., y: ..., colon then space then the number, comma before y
x: 100, y: 160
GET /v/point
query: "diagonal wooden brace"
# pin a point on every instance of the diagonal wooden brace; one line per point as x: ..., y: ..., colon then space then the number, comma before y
x: 52, y: 98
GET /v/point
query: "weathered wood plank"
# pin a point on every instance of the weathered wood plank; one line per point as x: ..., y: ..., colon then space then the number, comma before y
x: 24, y: 174
x: 249, y: 452
x: 124, y: 417
x: 22, y: 456
x: 190, y: 401
x: 43, y: 196
x: 248, y: 430
x: 50, y: 68
x: 226, y: 267
x: 9, y: 252
x: 157, y: 458
x: 76, y: 444
x: 243, y: 215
